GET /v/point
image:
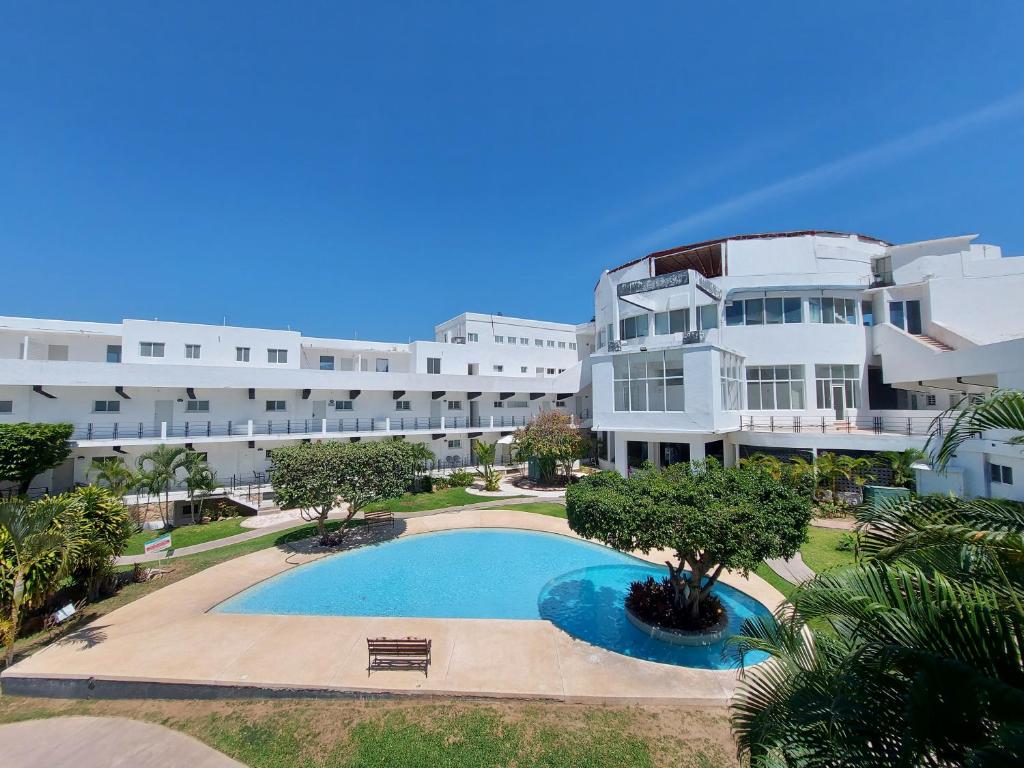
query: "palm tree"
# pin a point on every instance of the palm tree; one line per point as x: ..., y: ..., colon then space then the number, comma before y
x: 200, y: 481
x: 1003, y: 409
x: 485, y: 455
x: 770, y: 464
x: 901, y: 464
x: 830, y: 468
x: 116, y: 475
x: 164, y: 463
x: 33, y: 534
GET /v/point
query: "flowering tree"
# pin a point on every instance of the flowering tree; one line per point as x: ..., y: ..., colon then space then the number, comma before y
x: 553, y: 441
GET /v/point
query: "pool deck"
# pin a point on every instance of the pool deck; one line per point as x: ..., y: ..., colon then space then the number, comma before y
x: 168, y: 644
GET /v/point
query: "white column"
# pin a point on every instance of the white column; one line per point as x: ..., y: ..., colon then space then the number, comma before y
x: 24, y: 349
x: 697, y: 451
x: 620, y: 453
x: 163, y: 430
x: 323, y: 426
x: 443, y: 419
x: 249, y: 428
x: 387, y: 423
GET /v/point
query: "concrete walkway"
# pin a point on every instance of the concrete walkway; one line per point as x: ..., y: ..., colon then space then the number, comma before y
x: 836, y: 524
x: 794, y: 570
x: 255, y: 533
x: 103, y: 742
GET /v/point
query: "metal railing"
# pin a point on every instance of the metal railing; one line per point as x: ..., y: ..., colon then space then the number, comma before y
x: 876, y: 425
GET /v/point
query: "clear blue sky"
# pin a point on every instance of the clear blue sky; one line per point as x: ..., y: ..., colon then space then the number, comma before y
x: 379, y: 167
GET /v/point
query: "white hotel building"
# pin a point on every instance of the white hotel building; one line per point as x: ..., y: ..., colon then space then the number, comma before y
x: 786, y: 342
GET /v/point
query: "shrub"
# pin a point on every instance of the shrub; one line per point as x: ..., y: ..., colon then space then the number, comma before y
x: 28, y: 449
x: 846, y: 543
x: 439, y: 483
x: 460, y: 479
x: 655, y: 603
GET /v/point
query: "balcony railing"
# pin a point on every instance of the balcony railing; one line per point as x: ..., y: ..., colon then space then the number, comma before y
x: 874, y: 425
x: 128, y: 431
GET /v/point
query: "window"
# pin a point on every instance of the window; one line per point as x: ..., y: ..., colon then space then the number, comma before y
x: 550, y: 343
x: 540, y: 370
x: 454, y: 443
x: 6, y: 406
x: 629, y: 328
x: 524, y: 341
x: 473, y: 336
x: 192, y: 351
x: 382, y: 365
x: 56, y: 351
x: 454, y: 405
x: 538, y: 342
x: 151, y: 349
x: 775, y: 387
x: 326, y: 362
x: 674, y: 321
x: 499, y: 368
x: 845, y: 376
x: 275, y: 405
x: 649, y: 381
x: 499, y: 404
x: 113, y: 353
x: 829, y: 310
x: 523, y: 369
x: 511, y: 339
x: 499, y: 339
x: 929, y: 400
x: 551, y: 371
x: 561, y: 345
x: 732, y: 389
x: 433, y: 365
x: 793, y: 309
x: 518, y: 404
x: 277, y: 355
x: 867, y: 312
x: 346, y: 364
x: 197, y: 406
x: 343, y: 405
x: 572, y: 345
x: 999, y: 473
x: 561, y: 370
x: 106, y: 406
x: 772, y: 310
x: 241, y: 354
x: 403, y: 405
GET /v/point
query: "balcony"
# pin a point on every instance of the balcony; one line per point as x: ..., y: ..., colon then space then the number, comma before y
x: 922, y: 426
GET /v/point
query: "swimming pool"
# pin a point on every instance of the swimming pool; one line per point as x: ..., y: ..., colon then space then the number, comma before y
x: 489, y: 574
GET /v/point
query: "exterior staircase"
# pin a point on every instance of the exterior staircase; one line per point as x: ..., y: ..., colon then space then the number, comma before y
x: 932, y: 342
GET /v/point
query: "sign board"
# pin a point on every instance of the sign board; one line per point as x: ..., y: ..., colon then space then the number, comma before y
x: 707, y: 287
x: 670, y: 280
x: 157, y: 545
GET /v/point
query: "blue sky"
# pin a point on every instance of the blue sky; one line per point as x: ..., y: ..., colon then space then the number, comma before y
x: 374, y: 168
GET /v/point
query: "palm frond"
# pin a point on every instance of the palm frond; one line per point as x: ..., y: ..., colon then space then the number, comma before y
x: 1003, y: 409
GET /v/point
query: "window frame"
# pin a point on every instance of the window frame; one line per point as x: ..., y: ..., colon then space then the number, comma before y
x: 193, y: 351
x: 271, y: 406
x: 277, y: 356
x: 106, y: 406
x: 190, y: 409
x: 153, y: 346
x: 243, y: 354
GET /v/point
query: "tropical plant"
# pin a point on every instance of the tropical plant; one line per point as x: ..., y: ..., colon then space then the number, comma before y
x: 28, y: 449
x: 115, y: 475
x: 422, y: 456
x: 200, y: 482
x: 460, y: 478
x: 831, y: 468
x: 554, y: 441
x: 317, y: 477
x: 485, y: 455
x: 158, y: 469
x: 33, y: 533
x: 901, y: 464
x: 104, y: 527
x: 712, y: 517
x: 770, y: 464
x: 1003, y: 409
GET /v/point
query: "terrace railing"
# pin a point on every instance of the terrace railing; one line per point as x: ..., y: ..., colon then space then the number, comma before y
x: 876, y: 425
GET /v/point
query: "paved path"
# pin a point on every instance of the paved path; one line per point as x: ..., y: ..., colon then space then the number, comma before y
x: 835, y: 524
x: 103, y: 742
x: 794, y: 570
x: 255, y: 533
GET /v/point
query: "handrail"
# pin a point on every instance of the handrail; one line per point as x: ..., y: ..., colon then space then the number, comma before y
x: 878, y: 425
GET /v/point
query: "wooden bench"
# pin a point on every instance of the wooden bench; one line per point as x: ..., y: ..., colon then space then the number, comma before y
x: 380, y: 517
x: 398, y: 653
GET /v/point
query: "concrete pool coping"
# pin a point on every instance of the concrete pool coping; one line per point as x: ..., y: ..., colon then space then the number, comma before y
x: 168, y: 645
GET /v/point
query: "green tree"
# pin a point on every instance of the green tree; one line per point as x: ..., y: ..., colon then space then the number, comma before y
x: 770, y: 464
x: 485, y: 455
x: 553, y: 441
x: 117, y: 476
x: 104, y: 527
x: 31, y: 534
x: 1002, y: 410
x: 317, y: 477
x: 158, y: 469
x: 901, y: 464
x: 712, y: 517
x: 200, y: 482
x: 831, y: 468
x: 28, y: 450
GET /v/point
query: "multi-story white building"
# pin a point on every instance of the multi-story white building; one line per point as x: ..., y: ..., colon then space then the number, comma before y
x: 788, y: 342
x: 804, y: 342
x: 237, y: 393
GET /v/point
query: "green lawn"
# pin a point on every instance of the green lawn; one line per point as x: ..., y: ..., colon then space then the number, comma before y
x: 766, y: 573
x: 188, y: 535
x: 820, y: 553
x: 539, y: 508
x: 408, y: 734
x: 447, y: 497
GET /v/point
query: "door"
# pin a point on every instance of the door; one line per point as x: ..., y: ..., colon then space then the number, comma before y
x: 913, y: 317
x: 164, y: 412
x: 474, y: 413
x: 435, y: 413
x: 319, y: 410
x: 839, y: 402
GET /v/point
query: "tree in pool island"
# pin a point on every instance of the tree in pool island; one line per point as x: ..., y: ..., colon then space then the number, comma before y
x: 28, y: 450
x: 711, y: 516
x: 553, y: 441
x: 317, y: 477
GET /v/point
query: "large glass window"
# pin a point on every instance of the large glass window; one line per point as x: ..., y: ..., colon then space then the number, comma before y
x: 708, y: 316
x: 772, y: 310
x: 326, y: 362
x: 649, y: 381
x: 731, y: 372
x: 845, y: 377
x: 833, y: 310
x: 673, y: 321
x: 630, y: 327
x: 775, y: 387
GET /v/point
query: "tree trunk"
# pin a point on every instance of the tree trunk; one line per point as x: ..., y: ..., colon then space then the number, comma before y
x: 15, y: 615
x: 23, y: 486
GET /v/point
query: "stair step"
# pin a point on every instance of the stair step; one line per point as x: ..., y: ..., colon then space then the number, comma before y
x: 933, y: 342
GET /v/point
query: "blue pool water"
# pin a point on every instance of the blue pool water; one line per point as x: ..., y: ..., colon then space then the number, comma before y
x: 489, y: 574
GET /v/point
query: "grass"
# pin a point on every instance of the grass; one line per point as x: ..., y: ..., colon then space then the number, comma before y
x: 402, y: 733
x: 766, y: 573
x: 549, y: 508
x: 820, y: 553
x: 420, y: 502
x: 189, y: 535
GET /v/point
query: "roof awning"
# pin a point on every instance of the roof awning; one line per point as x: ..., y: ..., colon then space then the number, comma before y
x: 506, y: 440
